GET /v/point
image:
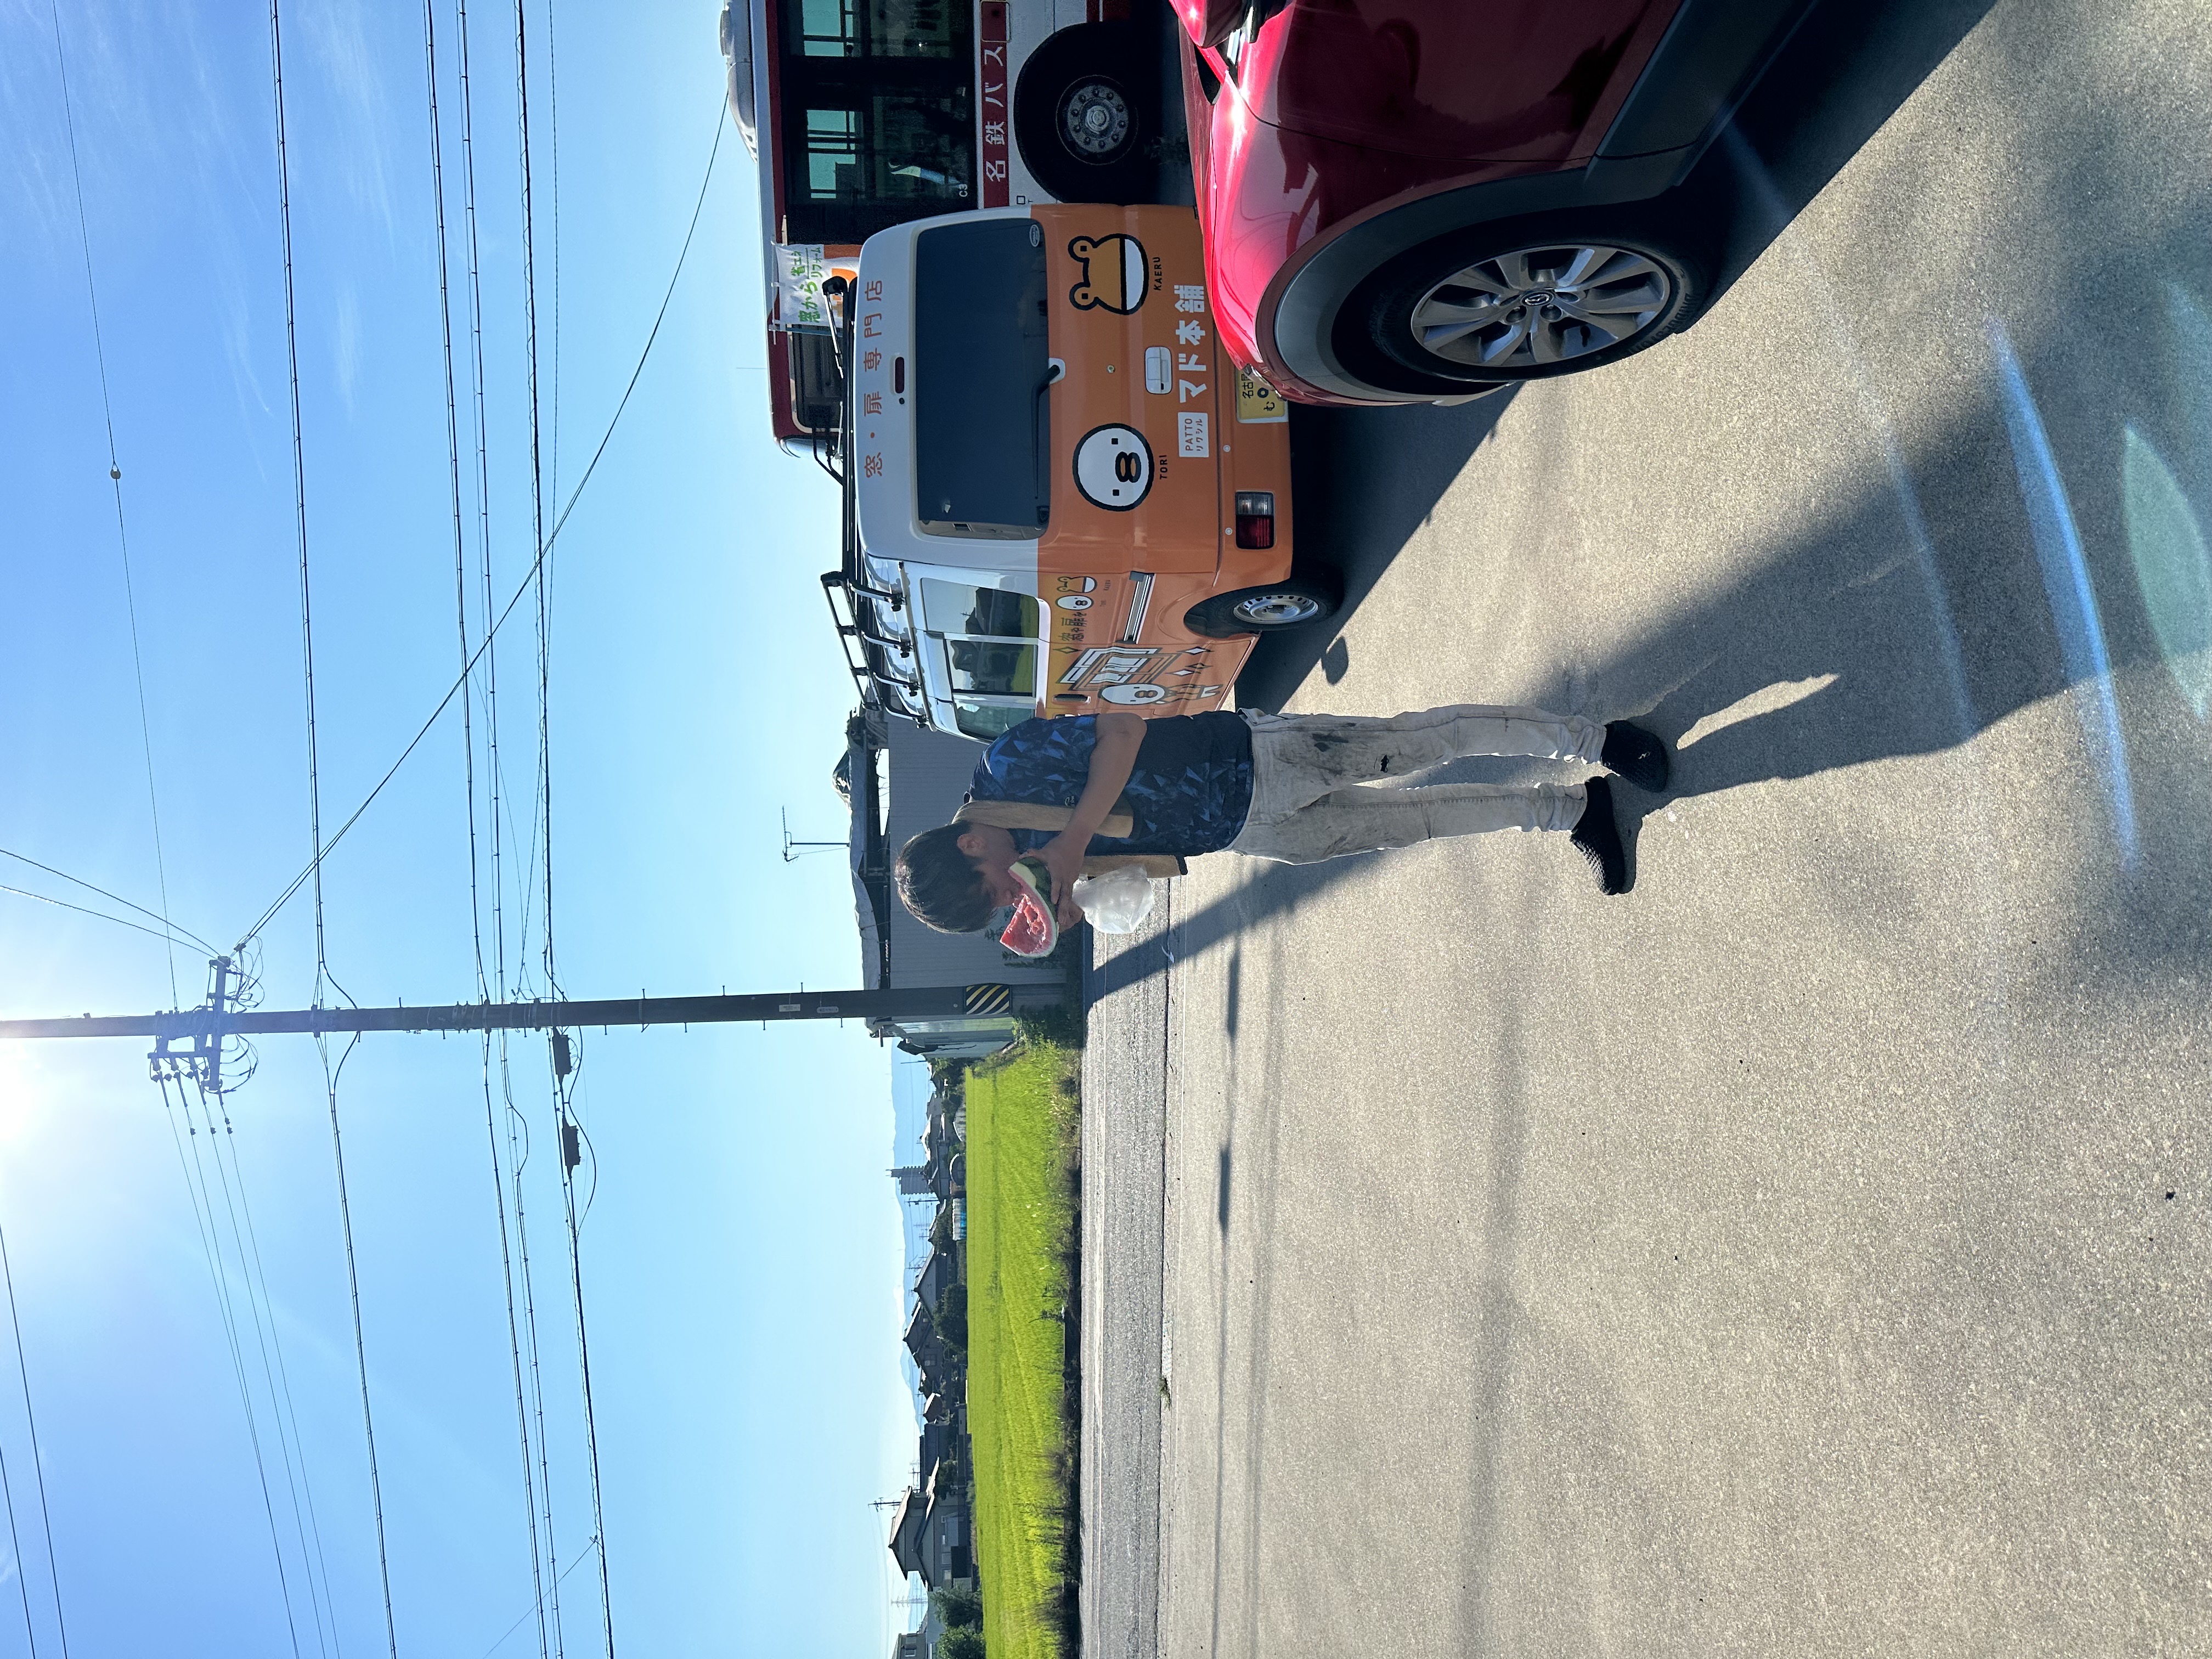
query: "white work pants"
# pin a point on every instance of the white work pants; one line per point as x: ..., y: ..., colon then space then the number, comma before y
x: 1327, y: 784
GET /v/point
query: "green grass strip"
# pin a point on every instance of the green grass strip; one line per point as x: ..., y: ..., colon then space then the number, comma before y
x: 1020, y: 1212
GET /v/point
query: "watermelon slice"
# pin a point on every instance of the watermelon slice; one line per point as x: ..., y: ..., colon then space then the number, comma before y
x: 1035, y: 929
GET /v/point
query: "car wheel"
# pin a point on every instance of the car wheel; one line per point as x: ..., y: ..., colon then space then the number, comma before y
x: 1084, y: 115
x: 1292, y: 603
x: 1521, y: 301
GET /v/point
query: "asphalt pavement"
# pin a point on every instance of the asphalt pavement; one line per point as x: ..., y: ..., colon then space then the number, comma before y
x: 1808, y: 1252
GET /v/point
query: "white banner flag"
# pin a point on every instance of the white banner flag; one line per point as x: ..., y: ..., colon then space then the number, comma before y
x: 800, y: 272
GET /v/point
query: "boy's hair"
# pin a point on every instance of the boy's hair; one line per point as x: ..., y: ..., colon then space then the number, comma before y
x: 941, y: 885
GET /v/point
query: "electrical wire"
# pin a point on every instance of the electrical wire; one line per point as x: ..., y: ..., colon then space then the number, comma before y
x: 15, y: 1548
x: 552, y: 537
x: 564, y: 1117
x: 115, y: 477
x: 77, y: 881
x: 553, y: 155
x: 536, y: 468
x: 275, y: 1377
x: 25, y: 892
x: 315, y: 821
x: 468, y: 737
x: 204, y: 1218
x: 518, y: 1146
x: 38, y: 1458
x: 589, y: 1544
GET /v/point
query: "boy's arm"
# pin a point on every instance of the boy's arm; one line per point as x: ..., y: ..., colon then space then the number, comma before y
x: 1113, y: 757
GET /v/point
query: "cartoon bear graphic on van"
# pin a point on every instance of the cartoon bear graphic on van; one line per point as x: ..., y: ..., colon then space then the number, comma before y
x: 1114, y: 273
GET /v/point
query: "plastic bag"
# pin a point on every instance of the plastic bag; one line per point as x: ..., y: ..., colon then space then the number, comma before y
x: 1117, y: 902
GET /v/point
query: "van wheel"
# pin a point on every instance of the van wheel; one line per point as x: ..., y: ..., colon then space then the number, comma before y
x: 1084, y: 113
x: 1270, y: 609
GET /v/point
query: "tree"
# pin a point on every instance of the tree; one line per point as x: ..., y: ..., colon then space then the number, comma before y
x: 949, y: 1316
x: 960, y: 1642
x: 957, y: 1607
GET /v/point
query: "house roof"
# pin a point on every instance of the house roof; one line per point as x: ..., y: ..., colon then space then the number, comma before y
x: 905, y: 1531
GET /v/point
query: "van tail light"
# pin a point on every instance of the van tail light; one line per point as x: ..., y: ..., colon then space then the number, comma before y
x: 1255, y: 518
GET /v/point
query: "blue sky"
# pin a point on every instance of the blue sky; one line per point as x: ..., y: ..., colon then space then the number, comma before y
x: 742, y: 1256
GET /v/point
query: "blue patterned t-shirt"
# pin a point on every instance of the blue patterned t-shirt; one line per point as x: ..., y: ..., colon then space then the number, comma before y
x: 1188, y: 792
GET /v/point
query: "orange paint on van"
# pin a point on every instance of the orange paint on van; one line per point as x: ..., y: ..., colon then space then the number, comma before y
x: 1148, y: 455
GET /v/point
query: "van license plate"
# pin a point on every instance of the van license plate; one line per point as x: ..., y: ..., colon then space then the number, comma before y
x: 1258, y: 404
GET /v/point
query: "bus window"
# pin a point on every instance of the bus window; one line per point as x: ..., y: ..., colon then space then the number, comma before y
x: 981, y: 420
x: 879, y: 29
x: 916, y: 28
x: 827, y: 28
x: 833, y: 153
x: 880, y: 158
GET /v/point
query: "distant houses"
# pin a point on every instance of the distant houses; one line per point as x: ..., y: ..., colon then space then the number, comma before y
x: 932, y: 1530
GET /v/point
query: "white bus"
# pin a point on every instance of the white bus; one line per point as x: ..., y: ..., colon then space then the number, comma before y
x: 864, y: 114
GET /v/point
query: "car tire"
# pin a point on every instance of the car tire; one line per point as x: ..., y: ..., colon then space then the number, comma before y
x: 1294, y: 602
x: 1565, y: 294
x: 1086, y: 115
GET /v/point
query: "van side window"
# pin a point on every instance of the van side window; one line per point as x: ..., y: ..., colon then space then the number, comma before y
x: 988, y: 665
x: 994, y: 612
x: 989, y: 638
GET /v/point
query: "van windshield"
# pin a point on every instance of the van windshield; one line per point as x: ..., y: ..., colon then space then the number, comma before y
x: 982, y: 432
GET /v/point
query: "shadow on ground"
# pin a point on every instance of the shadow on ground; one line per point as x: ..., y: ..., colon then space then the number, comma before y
x: 1366, y: 480
x: 1927, y: 609
x: 1844, y: 73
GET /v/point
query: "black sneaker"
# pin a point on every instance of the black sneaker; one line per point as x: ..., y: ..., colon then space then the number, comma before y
x: 1632, y: 753
x: 1599, y: 837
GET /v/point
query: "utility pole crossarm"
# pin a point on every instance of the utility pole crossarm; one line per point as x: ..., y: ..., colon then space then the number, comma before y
x: 930, y: 1002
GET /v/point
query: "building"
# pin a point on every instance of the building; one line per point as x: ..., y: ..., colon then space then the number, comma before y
x: 939, y: 1273
x: 909, y: 1644
x: 936, y: 1362
x: 899, y: 780
x: 930, y: 1535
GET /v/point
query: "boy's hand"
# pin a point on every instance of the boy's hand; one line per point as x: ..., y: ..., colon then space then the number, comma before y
x: 1063, y: 855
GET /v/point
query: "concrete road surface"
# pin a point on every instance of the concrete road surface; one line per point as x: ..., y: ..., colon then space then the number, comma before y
x: 1811, y: 1252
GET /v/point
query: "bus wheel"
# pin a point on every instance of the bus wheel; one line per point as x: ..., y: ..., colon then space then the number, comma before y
x: 1084, y: 114
x: 1290, y: 603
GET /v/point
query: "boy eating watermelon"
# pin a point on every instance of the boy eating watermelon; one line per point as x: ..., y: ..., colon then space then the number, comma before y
x: 1089, y: 791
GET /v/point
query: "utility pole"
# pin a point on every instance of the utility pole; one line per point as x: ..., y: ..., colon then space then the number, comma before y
x: 188, y: 1042
x: 803, y: 847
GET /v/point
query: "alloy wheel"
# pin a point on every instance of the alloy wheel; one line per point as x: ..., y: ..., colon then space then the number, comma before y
x: 1539, y: 306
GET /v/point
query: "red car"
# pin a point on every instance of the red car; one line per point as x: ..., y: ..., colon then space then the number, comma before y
x: 1407, y: 200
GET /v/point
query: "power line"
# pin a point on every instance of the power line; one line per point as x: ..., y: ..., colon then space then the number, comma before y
x: 468, y: 737
x: 25, y: 892
x: 536, y: 471
x: 204, y: 1218
x: 564, y: 1124
x: 15, y: 1546
x: 267, y: 1336
x: 78, y: 881
x: 315, y: 818
x: 115, y: 477
x: 38, y: 1459
x: 538, y: 1607
x: 552, y: 537
x: 553, y: 151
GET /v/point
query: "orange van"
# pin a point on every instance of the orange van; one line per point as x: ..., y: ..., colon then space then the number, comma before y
x: 1060, y: 480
